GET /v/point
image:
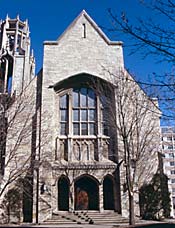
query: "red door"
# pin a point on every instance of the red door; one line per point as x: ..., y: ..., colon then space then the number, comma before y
x: 81, y: 200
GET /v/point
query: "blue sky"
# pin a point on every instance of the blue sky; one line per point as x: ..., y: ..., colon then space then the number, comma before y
x: 49, y: 18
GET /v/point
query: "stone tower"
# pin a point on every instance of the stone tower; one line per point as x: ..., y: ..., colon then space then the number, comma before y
x: 17, y: 63
x: 17, y: 68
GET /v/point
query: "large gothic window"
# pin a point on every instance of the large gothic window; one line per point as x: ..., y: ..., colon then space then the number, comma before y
x: 84, y: 122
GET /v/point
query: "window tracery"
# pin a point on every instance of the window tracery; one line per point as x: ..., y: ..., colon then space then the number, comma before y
x: 83, y: 122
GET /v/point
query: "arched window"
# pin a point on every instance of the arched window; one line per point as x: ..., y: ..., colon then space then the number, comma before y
x: 84, y: 118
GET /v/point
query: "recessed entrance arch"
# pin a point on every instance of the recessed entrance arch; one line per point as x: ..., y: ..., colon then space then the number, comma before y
x: 63, y: 194
x: 108, y: 193
x: 86, y: 193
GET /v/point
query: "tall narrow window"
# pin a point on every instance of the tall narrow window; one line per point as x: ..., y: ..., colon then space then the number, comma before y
x: 84, y: 109
x: 63, y: 114
x: 84, y: 30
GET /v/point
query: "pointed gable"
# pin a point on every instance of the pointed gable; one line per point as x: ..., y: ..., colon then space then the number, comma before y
x: 82, y: 47
x: 84, y: 17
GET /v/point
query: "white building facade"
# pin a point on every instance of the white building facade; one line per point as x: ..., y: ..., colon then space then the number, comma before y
x: 77, y: 160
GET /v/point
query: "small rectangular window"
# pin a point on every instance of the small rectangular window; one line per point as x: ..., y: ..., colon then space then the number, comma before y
x: 76, y: 129
x: 91, y: 98
x: 76, y: 102
x: 63, y: 102
x: 170, y: 147
x: 84, y: 129
x: 105, y: 129
x: 76, y: 115
x: 92, y: 129
x: 91, y: 115
x: 83, y: 100
x: 171, y: 155
x: 83, y: 115
x: 172, y: 163
x: 21, y: 27
x: 63, y: 129
x: 12, y: 25
x: 63, y: 115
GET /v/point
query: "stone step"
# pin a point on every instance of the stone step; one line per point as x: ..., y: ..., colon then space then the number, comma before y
x: 86, y: 217
x: 66, y: 218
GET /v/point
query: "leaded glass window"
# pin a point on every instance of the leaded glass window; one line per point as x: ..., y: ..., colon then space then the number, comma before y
x: 78, y: 113
x: 84, y: 109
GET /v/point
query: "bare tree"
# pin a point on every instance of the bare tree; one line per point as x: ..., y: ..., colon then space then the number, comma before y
x: 18, y: 139
x: 151, y: 37
x: 134, y: 118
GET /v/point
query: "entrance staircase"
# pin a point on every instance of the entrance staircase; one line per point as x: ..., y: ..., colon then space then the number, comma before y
x: 86, y: 217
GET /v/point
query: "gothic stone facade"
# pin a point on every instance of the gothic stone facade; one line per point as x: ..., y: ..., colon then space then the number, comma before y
x: 76, y: 152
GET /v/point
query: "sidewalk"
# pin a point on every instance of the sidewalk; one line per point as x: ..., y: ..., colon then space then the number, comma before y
x: 164, y: 224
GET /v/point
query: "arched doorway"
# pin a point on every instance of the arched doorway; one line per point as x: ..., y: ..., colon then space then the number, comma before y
x: 63, y: 194
x: 108, y: 193
x: 27, y: 198
x: 86, y: 194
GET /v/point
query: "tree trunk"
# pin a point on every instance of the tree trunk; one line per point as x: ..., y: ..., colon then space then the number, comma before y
x: 131, y: 209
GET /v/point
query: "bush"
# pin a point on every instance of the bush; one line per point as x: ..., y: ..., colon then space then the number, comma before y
x: 155, y: 198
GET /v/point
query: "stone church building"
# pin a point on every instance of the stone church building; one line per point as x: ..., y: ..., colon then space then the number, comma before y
x: 64, y: 147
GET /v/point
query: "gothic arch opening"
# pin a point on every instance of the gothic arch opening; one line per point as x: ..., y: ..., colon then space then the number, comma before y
x: 63, y: 193
x: 6, y: 73
x: 108, y: 193
x: 86, y: 193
